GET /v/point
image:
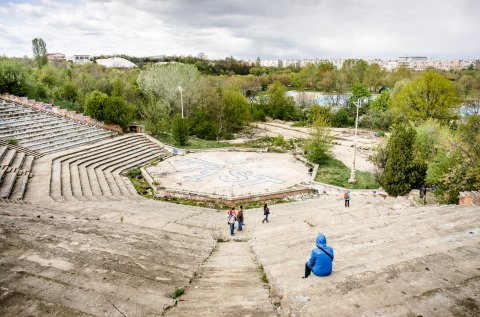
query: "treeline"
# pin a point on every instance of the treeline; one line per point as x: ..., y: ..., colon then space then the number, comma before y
x: 227, y: 66
x: 431, y: 144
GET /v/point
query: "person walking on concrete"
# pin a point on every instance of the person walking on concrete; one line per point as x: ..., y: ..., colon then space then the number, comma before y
x: 347, y: 197
x: 321, y: 260
x: 240, y: 218
x: 232, y: 217
x: 266, y: 212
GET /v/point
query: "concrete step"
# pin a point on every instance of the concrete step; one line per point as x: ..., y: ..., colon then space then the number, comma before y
x: 20, y: 187
x: 230, y: 280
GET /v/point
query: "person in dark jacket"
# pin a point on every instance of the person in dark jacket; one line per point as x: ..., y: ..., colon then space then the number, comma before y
x: 240, y: 218
x: 321, y: 260
x: 266, y: 212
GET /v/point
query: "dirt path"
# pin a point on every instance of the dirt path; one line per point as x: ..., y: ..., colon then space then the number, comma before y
x: 342, y: 149
x: 229, y: 285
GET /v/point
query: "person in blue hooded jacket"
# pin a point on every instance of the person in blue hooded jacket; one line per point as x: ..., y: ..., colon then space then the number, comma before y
x: 321, y: 260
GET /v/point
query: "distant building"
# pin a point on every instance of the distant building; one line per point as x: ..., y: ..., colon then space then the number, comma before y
x: 56, y: 57
x: 270, y: 63
x: 80, y: 59
x: 115, y: 62
x: 411, y: 62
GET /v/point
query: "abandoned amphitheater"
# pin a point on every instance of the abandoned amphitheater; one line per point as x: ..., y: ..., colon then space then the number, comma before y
x: 77, y: 239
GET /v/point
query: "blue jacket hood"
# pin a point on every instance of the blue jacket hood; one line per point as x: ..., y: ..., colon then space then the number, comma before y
x: 321, y: 240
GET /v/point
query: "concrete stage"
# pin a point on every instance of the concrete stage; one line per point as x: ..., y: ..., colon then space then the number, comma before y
x: 230, y: 174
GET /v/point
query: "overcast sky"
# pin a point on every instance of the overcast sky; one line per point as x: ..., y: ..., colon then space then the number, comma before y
x: 245, y: 29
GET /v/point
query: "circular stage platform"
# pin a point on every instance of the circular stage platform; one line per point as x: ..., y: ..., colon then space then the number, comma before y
x: 229, y: 176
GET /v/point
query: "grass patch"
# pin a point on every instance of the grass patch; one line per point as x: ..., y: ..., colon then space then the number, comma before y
x: 263, y: 277
x: 179, y: 291
x: 134, y: 173
x: 193, y: 142
x: 11, y: 140
x: 335, y: 173
x: 275, y: 144
x: 139, y: 182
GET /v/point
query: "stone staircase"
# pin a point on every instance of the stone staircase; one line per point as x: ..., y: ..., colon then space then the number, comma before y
x: 57, y: 261
x: 390, y: 258
x: 15, y: 171
x: 43, y: 132
x: 94, y: 173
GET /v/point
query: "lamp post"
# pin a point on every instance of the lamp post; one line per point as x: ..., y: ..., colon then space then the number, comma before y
x: 181, y: 97
x: 352, y: 178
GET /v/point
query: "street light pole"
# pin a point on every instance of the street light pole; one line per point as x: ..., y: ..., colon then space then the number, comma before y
x: 352, y: 178
x: 181, y: 97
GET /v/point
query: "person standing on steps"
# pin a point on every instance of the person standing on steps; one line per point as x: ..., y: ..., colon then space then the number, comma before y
x: 266, y: 212
x: 243, y: 218
x: 240, y: 218
x: 321, y: 260
x: 232, y: 217
x: 346, y: 196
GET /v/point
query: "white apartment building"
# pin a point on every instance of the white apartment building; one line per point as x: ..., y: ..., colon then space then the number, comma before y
x: 269, y: 63
x: 80, y: 59
x: 56, y: 56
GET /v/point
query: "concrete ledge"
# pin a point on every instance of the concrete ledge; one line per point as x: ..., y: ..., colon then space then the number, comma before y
x: 229, y: 149
x: 219, y: 199
x: 169, y: 148
x: 469, y: 198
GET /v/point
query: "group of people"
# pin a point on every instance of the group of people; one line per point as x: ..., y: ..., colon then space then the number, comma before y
x: 234, y: 216
x: 321, y: 259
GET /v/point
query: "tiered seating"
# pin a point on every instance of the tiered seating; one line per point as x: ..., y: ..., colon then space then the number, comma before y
x: 94, y: 173
x: 15, y: 170
x: 409, y: 259
x: 62, y: 261
x: 43, y: 132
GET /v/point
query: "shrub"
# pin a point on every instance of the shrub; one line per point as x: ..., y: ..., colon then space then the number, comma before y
x: 12, y: 141
x: 178, y: 292
x: 179, y: 130
x: 134, y: 173
x: 342, y: 118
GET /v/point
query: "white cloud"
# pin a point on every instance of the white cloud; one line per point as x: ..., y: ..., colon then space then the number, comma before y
x: 245, y: 29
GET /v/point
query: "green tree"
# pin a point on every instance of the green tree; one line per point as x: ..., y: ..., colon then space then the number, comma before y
x: 319, y: 144
x: 207, y: 118
x: 95, y: 104
x: 236, y: 109
x: 401, y: 171
x: 118, y: 111
x: 455, y: 162
x: 374, y: 77
x: 156, y: 114
x: 15, y: 77
x: 354, y: 71
x: 379, y: 115
x: 180, y: 130
x: 39, y: 48
x: 429, y: 96
x: 162, y: 82
x: 280, y: 106
x: 69, y: 91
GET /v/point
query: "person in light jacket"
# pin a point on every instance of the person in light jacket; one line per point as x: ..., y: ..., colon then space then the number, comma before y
x: 321, y: 260
x: 232, y: 217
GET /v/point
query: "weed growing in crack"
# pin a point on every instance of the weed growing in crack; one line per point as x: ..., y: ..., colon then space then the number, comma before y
x: 263, y: 277
x: 179, y: 291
